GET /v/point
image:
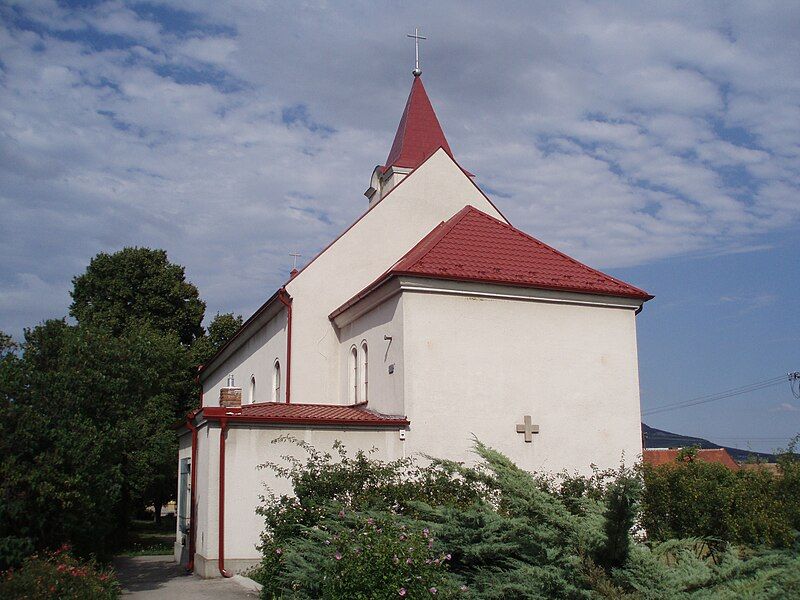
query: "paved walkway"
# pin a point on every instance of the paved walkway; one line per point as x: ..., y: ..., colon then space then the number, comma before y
x: 159, y: 577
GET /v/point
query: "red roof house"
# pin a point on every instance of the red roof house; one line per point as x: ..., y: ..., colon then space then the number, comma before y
x: 665, y: 456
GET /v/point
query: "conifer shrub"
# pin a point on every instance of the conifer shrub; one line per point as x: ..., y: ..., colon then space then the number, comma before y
x: 59, y: 575
x: 357, y: 527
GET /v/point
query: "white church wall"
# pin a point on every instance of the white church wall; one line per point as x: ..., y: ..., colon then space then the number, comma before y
x: 206, y: 477
x: 385, y: 365
x: 246, y: 449
x: 254, y: 359
x: 181, y: 548
x: 431, y: 194
x: 479, y: 365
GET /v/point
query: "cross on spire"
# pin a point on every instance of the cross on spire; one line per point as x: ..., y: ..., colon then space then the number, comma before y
x: 417, y: 37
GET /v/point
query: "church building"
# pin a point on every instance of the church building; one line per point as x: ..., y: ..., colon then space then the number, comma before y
x: 428, y: 321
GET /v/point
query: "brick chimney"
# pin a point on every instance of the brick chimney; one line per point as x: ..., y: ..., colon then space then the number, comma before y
x: 230, y: 397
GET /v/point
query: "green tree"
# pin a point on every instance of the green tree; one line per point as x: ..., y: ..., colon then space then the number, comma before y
x: 84, y: 432
x: 138, y: 285
x: 222, y: 328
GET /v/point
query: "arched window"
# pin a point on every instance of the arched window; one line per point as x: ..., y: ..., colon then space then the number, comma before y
x: 364, y: 371
x: 276, y: 382
x: 252, y: 389
x: 353, y: 377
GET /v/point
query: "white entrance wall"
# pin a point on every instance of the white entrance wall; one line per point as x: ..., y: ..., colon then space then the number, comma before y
x: 385, y: 364
x: 246, y: 448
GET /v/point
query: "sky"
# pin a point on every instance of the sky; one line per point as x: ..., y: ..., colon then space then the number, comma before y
x: 659, y: 142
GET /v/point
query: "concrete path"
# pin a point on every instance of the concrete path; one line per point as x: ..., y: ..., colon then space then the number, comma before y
x: 159, y: 577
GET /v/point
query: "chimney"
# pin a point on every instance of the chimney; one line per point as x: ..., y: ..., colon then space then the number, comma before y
x: 230, y: 396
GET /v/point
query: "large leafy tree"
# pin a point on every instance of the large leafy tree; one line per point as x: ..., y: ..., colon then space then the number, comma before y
x: 138, y: 285
x: 220, y: 330
x: 84, y: 432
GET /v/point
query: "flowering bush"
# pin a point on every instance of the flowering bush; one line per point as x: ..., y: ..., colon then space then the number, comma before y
x: 387, y: 558
x: 59, y: 576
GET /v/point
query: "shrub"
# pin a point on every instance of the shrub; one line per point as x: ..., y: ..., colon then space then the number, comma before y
x: 690, y: 498
x: 503, y: 533
x: 59, y: 576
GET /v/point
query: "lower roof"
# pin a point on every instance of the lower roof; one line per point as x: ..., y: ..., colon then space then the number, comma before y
x: 281, y: 413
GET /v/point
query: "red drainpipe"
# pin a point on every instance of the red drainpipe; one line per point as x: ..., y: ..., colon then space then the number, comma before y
x: 192, y: 511
x: 286, y: 299
x: 223, y: 424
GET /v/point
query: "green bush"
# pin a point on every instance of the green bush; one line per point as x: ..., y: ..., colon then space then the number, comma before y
x: 503, y: 533
x: 690, y: 498
x: 58, y: 576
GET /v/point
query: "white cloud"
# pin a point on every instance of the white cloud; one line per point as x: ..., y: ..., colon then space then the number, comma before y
x: 619, y: 133
x: 785, y: 407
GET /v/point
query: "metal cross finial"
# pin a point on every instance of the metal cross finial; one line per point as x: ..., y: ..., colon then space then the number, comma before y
x: 294, y: 256
x: 417, y: 37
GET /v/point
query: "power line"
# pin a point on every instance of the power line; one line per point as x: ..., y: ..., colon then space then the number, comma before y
x: 737, y: 391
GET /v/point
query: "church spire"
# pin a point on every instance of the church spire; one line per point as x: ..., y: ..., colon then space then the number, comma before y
x: 418, y: 136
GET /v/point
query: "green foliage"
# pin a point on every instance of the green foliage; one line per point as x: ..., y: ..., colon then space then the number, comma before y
x: 221, y: 329
x: 690, y: 498
x: 86, y: 410
x: 84, y: 432
x: 503, y: 533
x: 356, y: 557
x: 59, y: 576
x: 621, y: 499
x: 137, y: 285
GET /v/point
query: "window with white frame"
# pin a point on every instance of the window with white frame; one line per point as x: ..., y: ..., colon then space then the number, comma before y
x: 364, y: 372
x: 353, y: 376
x: 276, y: 382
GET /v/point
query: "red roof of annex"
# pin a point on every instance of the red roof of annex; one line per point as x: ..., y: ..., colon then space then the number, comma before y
x: 474, y: 246
x: 304, y: 414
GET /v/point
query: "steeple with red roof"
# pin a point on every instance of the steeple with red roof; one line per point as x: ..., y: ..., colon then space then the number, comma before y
x: 418, y: 136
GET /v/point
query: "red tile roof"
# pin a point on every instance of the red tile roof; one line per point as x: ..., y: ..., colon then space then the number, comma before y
x: 668, y: 456
x: 306, y: 414
x: 419, y: 134
x: 473, y: 246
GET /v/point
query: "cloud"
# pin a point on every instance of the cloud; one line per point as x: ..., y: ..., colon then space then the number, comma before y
x: 785, y: 407
x: 233, y: 133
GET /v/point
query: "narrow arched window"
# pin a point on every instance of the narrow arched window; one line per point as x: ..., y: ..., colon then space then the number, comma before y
x: 364, y: 371
x: 353, y: 377
x: 252, y: 389
x: 276, y: 382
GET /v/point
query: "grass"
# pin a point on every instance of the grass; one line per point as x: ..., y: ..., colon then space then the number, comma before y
x: 147, y: 538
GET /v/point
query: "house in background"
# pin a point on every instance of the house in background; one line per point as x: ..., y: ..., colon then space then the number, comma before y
x: 663, y: 456
x: 430, y: 320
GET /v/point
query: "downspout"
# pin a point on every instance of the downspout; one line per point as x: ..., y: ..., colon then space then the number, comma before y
x: 192, y: 509
x: 192, y: 512
x: 286, y: 300
x: 223, y: 428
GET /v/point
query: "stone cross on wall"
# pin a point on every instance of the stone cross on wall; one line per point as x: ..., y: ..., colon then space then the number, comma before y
x: 527, y: 428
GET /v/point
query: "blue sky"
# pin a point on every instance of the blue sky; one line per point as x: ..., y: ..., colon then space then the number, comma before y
x: 659, y: 142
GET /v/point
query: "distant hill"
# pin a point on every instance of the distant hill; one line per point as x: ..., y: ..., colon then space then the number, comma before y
x: 657, y: 438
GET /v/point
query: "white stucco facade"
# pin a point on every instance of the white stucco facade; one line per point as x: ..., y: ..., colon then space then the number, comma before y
x: 456, y: 358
